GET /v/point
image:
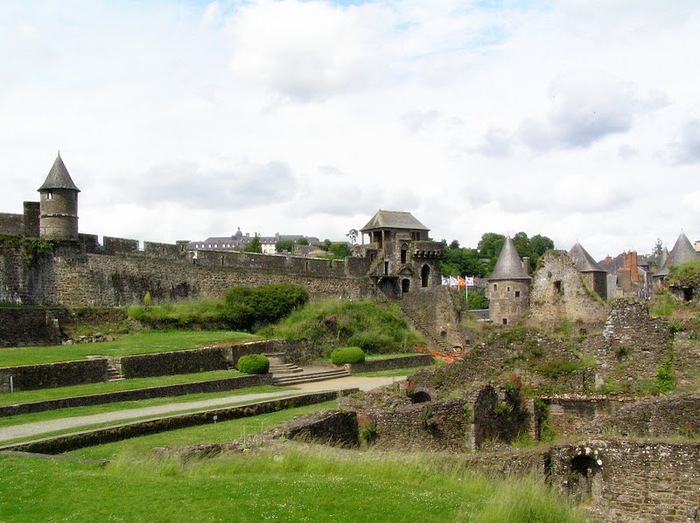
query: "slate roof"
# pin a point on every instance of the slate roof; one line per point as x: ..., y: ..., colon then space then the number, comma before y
x: 682, y: 252
x: 393, y: 220
x: 583, y: 261
x: 58, y: 177
x: 509, y: 265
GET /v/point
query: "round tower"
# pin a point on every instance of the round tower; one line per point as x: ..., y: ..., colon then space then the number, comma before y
x: 58, y: 205
x: 508, y: 288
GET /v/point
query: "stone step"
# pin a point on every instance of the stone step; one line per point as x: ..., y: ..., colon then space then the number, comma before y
x: 309, y: 377
x: 284, y: 368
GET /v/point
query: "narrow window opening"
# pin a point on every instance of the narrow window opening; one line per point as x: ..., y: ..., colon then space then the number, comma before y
x: 557, y: 287
x: 517, y: 294
x: 505, y: 321
x: 386, y: 268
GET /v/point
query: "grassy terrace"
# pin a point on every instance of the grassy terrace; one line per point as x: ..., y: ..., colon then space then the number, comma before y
x: 292, y: 483
x: 146, y: 342
x: 28, y: 396
x: 71, y: 412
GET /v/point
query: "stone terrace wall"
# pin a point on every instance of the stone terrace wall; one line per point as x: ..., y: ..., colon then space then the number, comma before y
x: 631, y: 480
x: 191, y: 361
x: 63, y: 374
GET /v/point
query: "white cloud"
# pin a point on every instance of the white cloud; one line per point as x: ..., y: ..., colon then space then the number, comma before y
x: 189, y: 119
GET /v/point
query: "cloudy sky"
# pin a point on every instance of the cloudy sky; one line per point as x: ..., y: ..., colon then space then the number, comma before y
x: 578, y: 120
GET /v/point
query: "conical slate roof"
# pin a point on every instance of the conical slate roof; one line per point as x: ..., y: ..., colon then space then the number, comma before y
x: 583, y: 261
x: 682, y: 252
x: 58, y: 177
x: 509, y: 266
x: 393, y: 220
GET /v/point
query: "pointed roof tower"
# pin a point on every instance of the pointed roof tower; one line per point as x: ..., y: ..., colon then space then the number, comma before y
x: 682, y: 252
x: 58, y: 177
x: 509, y: 266
x: 584, y: 262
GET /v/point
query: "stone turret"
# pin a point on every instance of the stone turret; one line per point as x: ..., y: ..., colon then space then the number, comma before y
x: 594, y: 276
x: 682, y: 252
x: 508, y: 286
x: 404, y: 257
x: 58, y: 205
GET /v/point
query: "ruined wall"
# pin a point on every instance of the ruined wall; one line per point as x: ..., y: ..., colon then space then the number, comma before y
x: 31, y: 327
x: 558, y: 292
x: 572, y: 416
x: 652, y: 417
x: 627, y: 481
x: 634, y: 345
x: 433, y: 312
x: 438, y: 425
x: 11, y: 275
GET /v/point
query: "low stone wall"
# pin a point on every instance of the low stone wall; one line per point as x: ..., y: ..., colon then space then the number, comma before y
x: 653, y: 417
x: 60, y: 444
x: 169, y: 363
x: 401, y: 362
x: 629, y: 481
x: 224, y: 384
x: 568, y: 416
x: 62, y: 374
x: 195, y: 360
x: 440, y: 425
x: 332, y: 428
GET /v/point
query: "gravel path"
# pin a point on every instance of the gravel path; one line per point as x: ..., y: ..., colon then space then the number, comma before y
x: 43, y: 427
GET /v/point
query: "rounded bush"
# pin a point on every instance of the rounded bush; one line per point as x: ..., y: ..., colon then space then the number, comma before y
x: 253, y: 364
x: 343, y: 355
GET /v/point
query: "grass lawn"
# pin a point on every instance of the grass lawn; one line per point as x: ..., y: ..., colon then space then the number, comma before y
x: 27, y: 396
x: 390, y: 372
x: 145, y: 342
x: 214, y: 433
x: 301, y: 483
x: 126, y: 405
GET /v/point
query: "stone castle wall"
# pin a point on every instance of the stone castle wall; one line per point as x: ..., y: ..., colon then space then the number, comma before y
x: 73, y: 278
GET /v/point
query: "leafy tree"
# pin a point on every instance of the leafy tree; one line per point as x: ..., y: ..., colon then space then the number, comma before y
x: 658, y: 249
x: 462, y: 262
x: 302, y: 241
x: 284, y: 246
x: 352, y: 234
x: 454, y: 244
x: 340, y: 250
x: 538, y: 246
x: 490, y: 245
x: 325, y: 245
x: 253, y: 245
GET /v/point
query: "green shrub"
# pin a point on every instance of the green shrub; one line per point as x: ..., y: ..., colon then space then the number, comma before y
x: 344, y: 355
x: 372, y: 342
x: 374, y: 327
x: 248, y: 307
x: 253, y: 364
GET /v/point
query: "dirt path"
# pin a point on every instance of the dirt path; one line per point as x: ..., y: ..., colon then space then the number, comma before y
x: 43, y: 427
